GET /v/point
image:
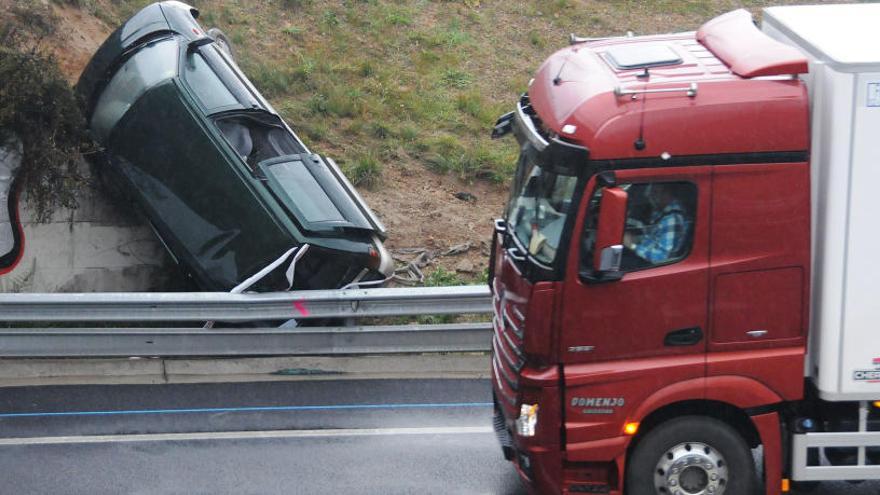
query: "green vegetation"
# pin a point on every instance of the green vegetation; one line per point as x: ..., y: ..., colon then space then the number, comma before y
x: 416, y: 82
x: 365, y: 172
x: 443, y: 278
x: 38, y: 112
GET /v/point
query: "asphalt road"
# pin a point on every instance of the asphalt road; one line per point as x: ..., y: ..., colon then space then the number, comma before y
x: 338, y: 436
x: 384, y: 436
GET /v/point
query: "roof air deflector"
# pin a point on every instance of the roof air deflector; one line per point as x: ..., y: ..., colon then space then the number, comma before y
x: 749, y: 52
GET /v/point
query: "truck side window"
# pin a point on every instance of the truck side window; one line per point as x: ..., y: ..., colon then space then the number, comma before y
x: 659, y: 224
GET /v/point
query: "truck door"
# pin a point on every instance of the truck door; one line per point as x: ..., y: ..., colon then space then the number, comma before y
x: 626, y: 335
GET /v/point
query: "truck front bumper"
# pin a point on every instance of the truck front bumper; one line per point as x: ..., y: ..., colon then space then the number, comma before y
x: 539, y: 468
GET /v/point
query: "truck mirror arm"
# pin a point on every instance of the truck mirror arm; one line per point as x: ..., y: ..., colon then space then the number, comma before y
x: 503, y: 126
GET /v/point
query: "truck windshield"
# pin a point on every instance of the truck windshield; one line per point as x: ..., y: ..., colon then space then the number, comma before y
x: 537, y: 211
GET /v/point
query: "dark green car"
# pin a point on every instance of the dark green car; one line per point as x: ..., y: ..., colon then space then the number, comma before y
x: 232, y: 192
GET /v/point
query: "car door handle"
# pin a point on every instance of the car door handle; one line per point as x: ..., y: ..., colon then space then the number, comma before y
x: 683, y: 337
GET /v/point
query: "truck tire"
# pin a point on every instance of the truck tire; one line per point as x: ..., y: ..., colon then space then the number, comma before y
x: 691, y: 455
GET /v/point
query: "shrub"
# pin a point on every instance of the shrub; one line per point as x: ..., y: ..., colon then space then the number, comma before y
x: 38, y: 107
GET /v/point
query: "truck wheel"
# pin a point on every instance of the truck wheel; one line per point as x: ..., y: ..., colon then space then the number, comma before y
x: 692, y: 455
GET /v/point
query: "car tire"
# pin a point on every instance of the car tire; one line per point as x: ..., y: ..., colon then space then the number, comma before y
x: 692, y: 453
x: 222, y: 41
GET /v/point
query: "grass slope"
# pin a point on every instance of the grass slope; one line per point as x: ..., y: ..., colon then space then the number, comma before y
x: 394, y: 89
x: 374, y: 82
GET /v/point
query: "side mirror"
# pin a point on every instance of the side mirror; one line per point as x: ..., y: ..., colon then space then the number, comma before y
x: 609, y: 258
x: 197, y: 43
x: 609, y: 236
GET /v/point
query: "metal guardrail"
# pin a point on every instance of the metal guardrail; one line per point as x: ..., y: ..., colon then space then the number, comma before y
x: 223, y: 306
x: 35, y: 340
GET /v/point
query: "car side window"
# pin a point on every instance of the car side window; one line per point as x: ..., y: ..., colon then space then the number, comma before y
x: 659, y: 224
x: 258, y: 137
x: 209, y: 89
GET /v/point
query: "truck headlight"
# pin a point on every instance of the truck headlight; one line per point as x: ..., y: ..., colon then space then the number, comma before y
x: 527, y: 420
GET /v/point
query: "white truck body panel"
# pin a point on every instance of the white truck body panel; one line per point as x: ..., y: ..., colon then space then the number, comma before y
x: 842, y: 43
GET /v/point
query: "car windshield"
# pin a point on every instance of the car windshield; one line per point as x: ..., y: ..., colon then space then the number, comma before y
x: 537, y: 212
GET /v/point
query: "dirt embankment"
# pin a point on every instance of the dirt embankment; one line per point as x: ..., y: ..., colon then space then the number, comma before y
x: 77, y: 36
x: 423, y: 210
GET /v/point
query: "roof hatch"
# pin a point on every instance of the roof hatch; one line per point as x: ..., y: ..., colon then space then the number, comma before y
x: 640, y: 56
x: 738, y: 42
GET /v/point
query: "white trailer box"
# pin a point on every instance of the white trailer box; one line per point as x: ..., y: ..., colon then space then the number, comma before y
x: 842, y: 43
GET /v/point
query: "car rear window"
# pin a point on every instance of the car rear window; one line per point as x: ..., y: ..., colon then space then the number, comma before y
x: 299, y: 184
x: 305, y: 185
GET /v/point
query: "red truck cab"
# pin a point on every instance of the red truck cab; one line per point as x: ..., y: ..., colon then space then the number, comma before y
x: 652, y: 269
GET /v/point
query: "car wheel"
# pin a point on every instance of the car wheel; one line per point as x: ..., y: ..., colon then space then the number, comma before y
x: 221, y: 40
x: 690, y: 456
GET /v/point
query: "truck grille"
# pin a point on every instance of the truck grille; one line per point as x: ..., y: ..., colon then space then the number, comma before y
x: 507, y: 356
x: 501, y: 430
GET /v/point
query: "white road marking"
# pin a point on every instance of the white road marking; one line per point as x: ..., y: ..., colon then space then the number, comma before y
x: 247, y: 435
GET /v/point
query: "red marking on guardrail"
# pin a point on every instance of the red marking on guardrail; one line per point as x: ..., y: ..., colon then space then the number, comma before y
x: 301, y: 307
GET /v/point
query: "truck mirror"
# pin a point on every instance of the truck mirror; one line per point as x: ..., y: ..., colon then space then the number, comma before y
x: 609, y: 236
x: 609, y: 258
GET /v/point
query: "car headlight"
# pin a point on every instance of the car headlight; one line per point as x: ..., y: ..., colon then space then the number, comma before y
x: 528, y: 419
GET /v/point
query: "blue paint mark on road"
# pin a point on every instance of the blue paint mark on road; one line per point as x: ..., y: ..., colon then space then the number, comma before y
x: 209, y: 410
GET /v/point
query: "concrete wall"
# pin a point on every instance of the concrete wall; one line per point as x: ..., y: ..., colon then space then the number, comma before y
x: 95, y: 248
